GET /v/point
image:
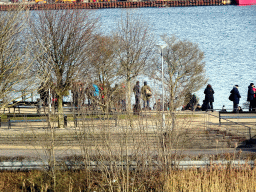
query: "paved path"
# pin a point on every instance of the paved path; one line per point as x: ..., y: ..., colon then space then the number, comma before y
x: 39, y: 153
x: 199, y: 121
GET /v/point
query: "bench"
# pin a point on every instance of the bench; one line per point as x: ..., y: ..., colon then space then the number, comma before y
x: 234, y: 115
x: 21, y: 104
x: 25, y: 102
x: 23, y: 107
x: 10, y: 116
x: 25, y: 115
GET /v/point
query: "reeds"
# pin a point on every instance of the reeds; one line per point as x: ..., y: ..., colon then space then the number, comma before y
x: 214, y: 178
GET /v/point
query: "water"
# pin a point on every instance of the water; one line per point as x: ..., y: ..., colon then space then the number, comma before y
x: 226, y: 34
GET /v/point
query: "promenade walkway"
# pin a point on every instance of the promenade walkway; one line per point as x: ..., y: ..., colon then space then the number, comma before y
x: 195, y: 133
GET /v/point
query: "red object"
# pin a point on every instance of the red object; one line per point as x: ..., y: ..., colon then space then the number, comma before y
x: 245, y: 2
x: 54, y: 99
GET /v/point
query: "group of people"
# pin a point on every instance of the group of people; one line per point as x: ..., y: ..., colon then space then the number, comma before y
x: 96, y: 93
x: 105, y: 95
x: 251, y: 97
x: 144, y: 92
x: 209, y: 99
x: 234, y: 97
x: 45, y: 94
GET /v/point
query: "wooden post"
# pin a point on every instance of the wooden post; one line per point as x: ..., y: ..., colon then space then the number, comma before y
x: 9, y: 123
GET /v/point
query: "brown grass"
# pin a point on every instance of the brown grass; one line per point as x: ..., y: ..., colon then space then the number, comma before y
x: 214, y: 178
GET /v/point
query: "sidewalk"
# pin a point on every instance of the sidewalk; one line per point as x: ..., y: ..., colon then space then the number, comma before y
x: 202, y: 130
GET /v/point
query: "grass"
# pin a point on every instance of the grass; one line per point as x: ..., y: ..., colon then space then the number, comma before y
x: 213, y: 178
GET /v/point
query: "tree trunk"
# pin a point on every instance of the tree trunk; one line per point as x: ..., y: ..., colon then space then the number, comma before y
x: 172, y: 111
x: 60, y: 112
x: 128, y: 96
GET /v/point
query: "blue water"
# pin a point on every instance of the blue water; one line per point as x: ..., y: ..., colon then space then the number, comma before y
x: 226, y: 34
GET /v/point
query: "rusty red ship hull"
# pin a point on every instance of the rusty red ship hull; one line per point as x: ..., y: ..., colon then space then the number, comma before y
x: 115, y: 4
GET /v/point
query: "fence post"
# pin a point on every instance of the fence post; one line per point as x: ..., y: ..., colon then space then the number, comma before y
x: 75, y: 121
x: 48, y: 120
x: 9, y: 123
x: 116, y: 120
x: 219, y: 119
x: 65, y: 121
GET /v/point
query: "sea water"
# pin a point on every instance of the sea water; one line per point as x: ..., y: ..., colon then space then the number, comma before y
x: 226, y: 34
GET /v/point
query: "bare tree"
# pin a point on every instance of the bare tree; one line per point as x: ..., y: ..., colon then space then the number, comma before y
x: 104, y: 69
x: 15, y: 58
x: 66, y: 37
x: 184, y: 70
x: 135, y: 47
x: 183, y: 73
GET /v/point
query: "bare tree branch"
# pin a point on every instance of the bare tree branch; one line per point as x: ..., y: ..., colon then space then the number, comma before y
x: 15, y: 58
x: 66, y: 37
x: 135, y: 47
x: 184, y: 70
x: 104, y: 69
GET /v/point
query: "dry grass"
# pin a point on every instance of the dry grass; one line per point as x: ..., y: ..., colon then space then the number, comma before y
x: 214, y: 178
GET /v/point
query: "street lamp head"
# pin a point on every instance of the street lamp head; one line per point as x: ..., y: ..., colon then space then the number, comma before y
x: 161, y: 46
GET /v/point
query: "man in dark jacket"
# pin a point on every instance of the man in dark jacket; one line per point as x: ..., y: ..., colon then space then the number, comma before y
x: 236, y: 98
x: 250, y: 96
x: 136, y: 90
x: 209, y: 99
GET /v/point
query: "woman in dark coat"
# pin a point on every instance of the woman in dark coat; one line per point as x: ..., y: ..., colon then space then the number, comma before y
x: 250, y: 96
x: 209, y: 99
x: 236, y: 97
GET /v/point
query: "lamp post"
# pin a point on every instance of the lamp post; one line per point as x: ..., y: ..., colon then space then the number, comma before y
x: 49, y: 101
x: 163, y: 116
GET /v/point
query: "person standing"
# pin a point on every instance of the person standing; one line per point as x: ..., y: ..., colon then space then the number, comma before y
x: 146, y: 94
x: 235, y: 97
x: 136, y: 90
x: 254, y: 99
x: 44, y: 93
x: 250, y: 96
x: 209, y: 99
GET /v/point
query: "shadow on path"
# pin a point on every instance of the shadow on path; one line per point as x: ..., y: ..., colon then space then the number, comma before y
x: 248, y: 145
